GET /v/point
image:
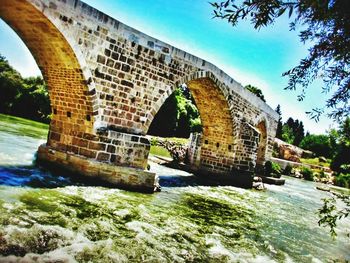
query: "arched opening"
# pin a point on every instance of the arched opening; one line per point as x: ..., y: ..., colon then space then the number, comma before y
x: 71, y: 105
x: 211, y: 150
x: 173, y: 125
x: 261, y: 152
x: 178, y: 116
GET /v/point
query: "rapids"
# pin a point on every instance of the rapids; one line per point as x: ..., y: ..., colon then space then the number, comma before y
x: 49, y: 217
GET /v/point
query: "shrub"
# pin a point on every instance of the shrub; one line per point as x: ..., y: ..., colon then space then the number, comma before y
x: 154, y: 141
x: 268, y: 168
x: 322, y: 174
x: 288, y: 170
x: 273, y: 169
x: 343, y: 180
x: 276, y: 170
x: 275, y: 150
x: 319, y: 144
x: 307, y: 173
x: 345, y: 168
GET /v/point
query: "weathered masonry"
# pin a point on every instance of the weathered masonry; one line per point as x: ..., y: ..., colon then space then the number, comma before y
x: 107, y: 81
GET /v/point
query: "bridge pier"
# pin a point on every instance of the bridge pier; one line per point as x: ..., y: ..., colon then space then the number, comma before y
x: 113, y: 157
x: 226, y: 166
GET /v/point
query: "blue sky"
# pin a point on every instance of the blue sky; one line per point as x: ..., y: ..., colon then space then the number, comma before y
x: 249, y: 56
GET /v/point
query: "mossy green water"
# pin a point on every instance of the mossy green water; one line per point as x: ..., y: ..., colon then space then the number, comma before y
x: 138, y: 226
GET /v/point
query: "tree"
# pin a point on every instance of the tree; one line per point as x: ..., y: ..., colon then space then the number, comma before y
x: 319, y: 144
x: 26, y: 97
x: 331, y: 212
x: 256, y: 91
x: 10, y: 85
x: 178, y: 116
x: 279, y: 124
x: 325, y: 25
x: 298, y: 132
x: 342, y: 141
x: 287, y: 134
x: 344, y: 132
x: 33, y: 102
x: 293, y: 131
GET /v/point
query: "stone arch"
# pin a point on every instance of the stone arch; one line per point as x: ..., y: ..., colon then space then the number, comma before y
x: 216, y: 143
x: 71, y: 102
x: 262, y: 128
x: 217, y: 140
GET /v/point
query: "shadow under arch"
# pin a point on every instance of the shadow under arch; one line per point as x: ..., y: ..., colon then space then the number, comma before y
x: 71, y: 102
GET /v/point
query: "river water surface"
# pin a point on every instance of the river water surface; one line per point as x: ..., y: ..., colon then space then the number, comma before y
x: 54, y: 218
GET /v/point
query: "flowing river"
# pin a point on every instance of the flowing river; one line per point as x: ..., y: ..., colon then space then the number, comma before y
x: 53, y: 218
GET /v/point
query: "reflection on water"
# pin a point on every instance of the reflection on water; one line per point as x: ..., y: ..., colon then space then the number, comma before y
x: 47, y: 217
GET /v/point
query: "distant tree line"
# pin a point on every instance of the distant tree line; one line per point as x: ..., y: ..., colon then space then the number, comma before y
x: 292, y: 131
x: 334, y: 145
x: 23, y: 97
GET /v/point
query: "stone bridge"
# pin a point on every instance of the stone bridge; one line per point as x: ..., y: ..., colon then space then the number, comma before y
x: 106, y: 83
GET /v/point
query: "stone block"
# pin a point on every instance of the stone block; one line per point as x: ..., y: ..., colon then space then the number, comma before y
x: 97, y: 146
x: 87, y: 153
x: 103, y: 157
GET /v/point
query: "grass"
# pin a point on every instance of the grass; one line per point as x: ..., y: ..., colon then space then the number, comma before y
x: 160, y: 151
x: 315, y: 161
x: 172, y: 139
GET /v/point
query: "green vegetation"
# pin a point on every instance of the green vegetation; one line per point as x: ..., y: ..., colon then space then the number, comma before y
x: 340, y: 141
x: 182, y: 141
x: 315, y: 161
x: 23, y: 97
x: 272, y: 169
x: 336, y: 146
x: 279, y: 124
x: 292, y: 131
x: 178, y: 116
x: 175, y: 148
x: 288, y: 170
x: 343, y: 180
x: 319, y: 144
x: 256, y: 91
x: 330, y: 213
x: 159, y: 151
x: 307, y: 173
